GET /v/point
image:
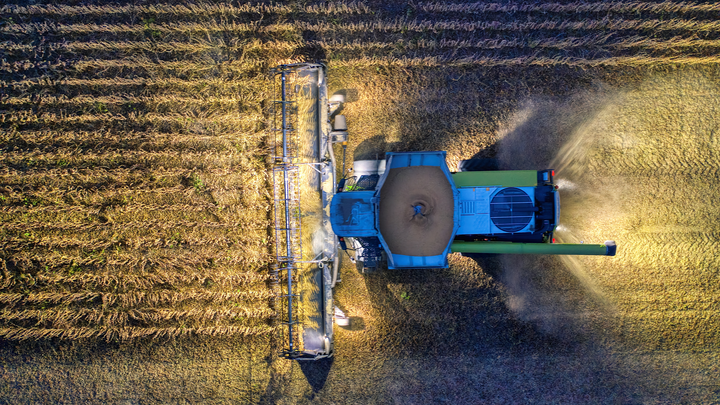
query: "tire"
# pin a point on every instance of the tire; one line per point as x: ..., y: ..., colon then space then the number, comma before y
x: 478, y: 165
x: 367, y: 270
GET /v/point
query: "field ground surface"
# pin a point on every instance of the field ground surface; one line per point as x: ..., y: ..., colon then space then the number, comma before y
x: 136, y: 202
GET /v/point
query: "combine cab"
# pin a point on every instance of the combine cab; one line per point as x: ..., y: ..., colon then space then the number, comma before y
x: 405, y: 211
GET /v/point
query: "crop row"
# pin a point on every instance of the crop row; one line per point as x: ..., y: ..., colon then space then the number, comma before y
x: 174, y: 249
x: 187, y: 160
x: 166, y: 275
x: 401, y: 25
x: 395, y: 25
x: 100, y: 195
x: 28, y: 185
x: 77, y: 142
x: 128, y: 48
x: 127, y: 208
x: 183, y: 123
x: 133, y: 298
x: 147, y: 141
x: 151, y: 239
x: 437, y: 61
x: 344, y: 7
x: 108, y: 220
x: 171, y: 158
x: 138, y: 66
x: 603, y: 41
x: 162, y: 104
x: 104, y: 195
x: 217, y: 197
x: 630, y: 7
x: 133, y: 235
x: 65, y: 318
x: 207, y: 87
x: 130, y: 333
x: 189, y: 51
x: 115, y: 120
x: 204, y: 10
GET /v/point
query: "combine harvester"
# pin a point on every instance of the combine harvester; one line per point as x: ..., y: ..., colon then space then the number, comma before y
x: 405, y: 211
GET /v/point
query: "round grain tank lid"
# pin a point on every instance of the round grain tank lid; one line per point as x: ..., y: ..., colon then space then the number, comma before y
x: 416, y: 211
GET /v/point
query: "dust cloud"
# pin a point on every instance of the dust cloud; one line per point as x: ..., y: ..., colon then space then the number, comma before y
x: 640, y: 166
x: 556, y: 293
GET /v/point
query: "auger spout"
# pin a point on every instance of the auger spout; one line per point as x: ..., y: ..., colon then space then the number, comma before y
x: 489, y: 247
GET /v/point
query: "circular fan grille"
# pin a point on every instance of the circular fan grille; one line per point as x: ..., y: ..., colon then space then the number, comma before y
x: 511, y: 209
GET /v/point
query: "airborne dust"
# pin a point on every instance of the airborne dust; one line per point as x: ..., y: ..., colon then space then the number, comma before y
x: 639, y: 166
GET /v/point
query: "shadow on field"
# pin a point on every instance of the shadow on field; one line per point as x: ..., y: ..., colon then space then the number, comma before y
x: 537, y: 305
x: 544, y: 292
x: 374, y: 148
x: 310, y: 53
x: 316, y: 372
x: 533, y: 331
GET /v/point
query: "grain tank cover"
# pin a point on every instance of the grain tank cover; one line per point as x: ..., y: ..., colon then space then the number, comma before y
x: 417, y: 209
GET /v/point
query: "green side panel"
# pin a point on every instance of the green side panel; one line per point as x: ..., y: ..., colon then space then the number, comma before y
x: 531, y: 248
x: 500, y: 178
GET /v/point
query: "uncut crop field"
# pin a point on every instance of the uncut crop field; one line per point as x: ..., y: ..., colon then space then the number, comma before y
x: 136, y: 222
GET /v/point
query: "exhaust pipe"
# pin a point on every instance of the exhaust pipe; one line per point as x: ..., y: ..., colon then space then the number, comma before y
x: 607, y: 249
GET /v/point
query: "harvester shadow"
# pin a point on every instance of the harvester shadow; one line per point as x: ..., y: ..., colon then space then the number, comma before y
x: 535, y: 305
x: 374, y: 148
x: 427, y: 312
x: 309, y: 53
x: 316, y: 372
x: 543, y: 292
x: 356, y: 323
x: 431, y: 111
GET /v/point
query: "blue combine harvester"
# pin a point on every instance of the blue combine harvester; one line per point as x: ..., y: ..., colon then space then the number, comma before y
x: 405, y: 211
x: 411, y: 211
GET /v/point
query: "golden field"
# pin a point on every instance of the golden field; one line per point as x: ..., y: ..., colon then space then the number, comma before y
x: 136, y: 202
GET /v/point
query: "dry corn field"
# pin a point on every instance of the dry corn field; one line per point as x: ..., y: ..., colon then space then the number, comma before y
x: 136, y: 235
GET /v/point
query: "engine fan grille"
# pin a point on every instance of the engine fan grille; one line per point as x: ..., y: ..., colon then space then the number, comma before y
x: 511, y: 209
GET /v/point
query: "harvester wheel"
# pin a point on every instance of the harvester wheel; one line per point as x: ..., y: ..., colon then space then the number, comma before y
x: 478, y: 165
x: 340, y: 318
x: 360, y: 266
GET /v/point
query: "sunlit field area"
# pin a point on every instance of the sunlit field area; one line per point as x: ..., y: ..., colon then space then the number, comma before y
x: 136, y: 218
